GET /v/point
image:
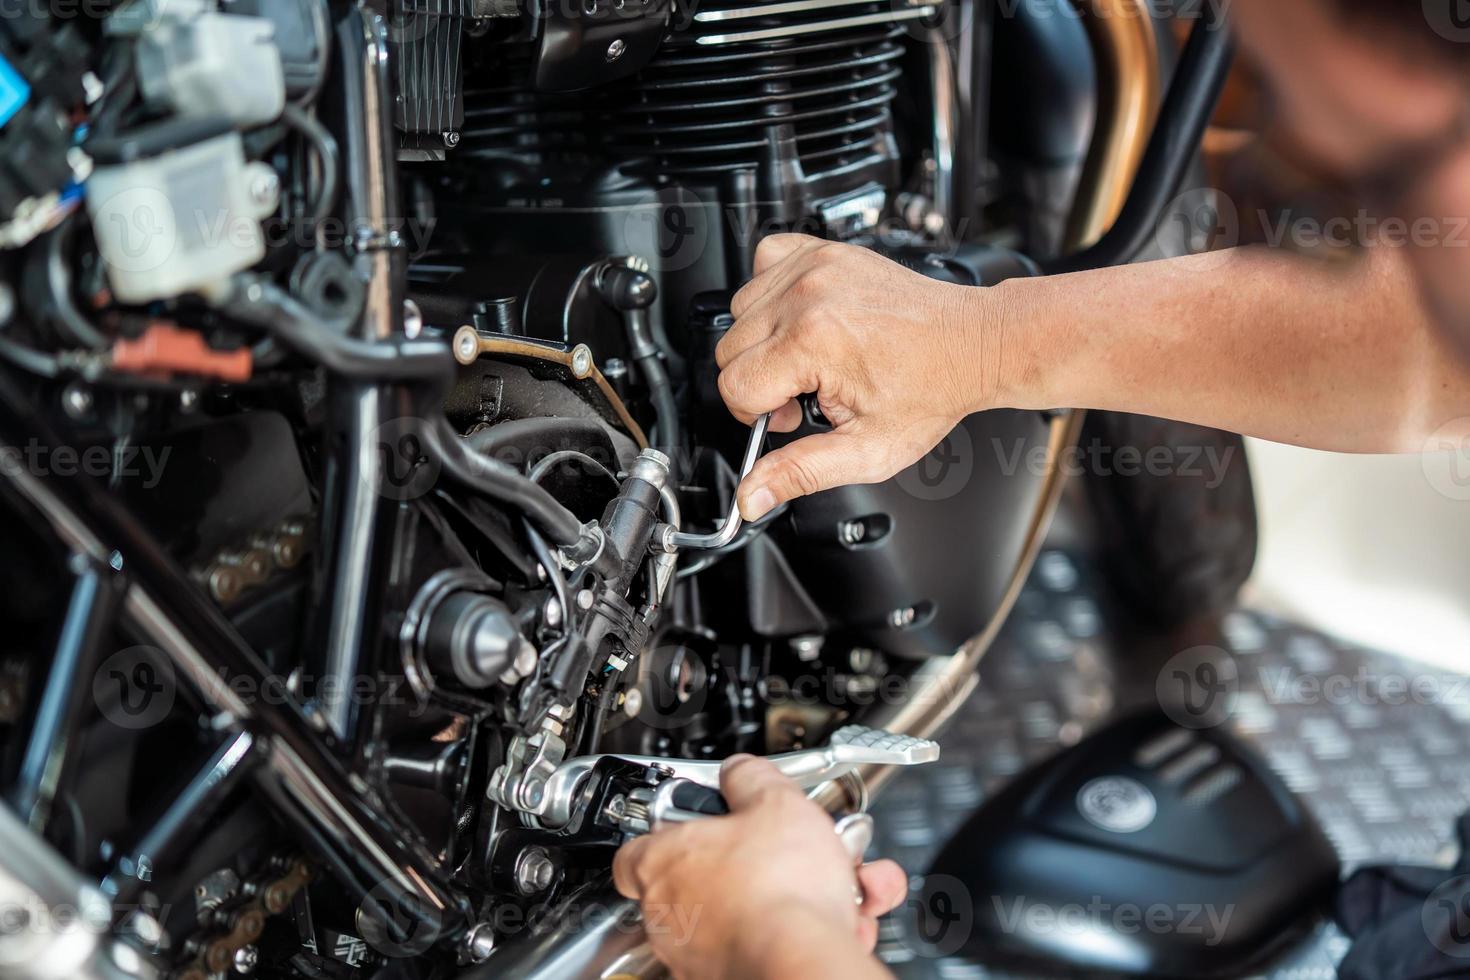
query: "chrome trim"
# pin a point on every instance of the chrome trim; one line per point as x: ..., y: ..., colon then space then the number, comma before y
x: 792, y: 30
x: 791, y: 7
x: 946, y: 124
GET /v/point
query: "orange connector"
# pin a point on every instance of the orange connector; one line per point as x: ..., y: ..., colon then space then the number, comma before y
x: 166, y: 350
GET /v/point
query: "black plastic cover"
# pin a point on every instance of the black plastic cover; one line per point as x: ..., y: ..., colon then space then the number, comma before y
x: 1147, y: 848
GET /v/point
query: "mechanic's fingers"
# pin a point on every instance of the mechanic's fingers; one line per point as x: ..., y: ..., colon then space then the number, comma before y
x: 772, y: 279
x: 774, y: 248
x: 627, y: 877
x: 747, y: 780
x: 764, y: 379
x: 812, y: 463
x: 787, y: 417
x: 884, y: 885
x: 753, y: 327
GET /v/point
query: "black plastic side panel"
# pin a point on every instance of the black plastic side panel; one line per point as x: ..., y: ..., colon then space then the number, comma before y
x: 941, y: 539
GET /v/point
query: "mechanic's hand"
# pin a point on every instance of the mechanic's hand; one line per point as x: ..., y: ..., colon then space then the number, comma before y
x: 896, y: 360
x: 755, y: 893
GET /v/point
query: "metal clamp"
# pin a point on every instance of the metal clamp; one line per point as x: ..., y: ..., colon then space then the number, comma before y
x: 731, y: 525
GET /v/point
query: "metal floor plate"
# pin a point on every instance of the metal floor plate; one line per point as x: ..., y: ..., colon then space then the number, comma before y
x: 1378, y: 746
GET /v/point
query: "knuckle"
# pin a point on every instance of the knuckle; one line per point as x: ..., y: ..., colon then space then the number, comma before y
x: 741, y: 301
x: 726, y: 384
x: 805, y: 287
x: 802, y: 474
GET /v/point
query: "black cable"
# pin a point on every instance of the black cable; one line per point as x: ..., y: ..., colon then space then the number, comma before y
x: 56, y: 275
x: 262, y: 303
x: 259, y: 302
x: 325, y: 147
x: 29, y: 359
x: 500, y: 482
x: 544, y: 465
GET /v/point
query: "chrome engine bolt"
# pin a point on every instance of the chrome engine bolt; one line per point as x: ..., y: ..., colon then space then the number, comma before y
x: 246, y: 959
x: 534, y: 871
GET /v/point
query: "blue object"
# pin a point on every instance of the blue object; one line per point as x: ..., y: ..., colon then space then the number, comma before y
x: 14, y: 91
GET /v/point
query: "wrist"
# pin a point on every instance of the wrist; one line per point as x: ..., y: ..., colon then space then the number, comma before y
x: 799, y: 943
x: 987, y: 355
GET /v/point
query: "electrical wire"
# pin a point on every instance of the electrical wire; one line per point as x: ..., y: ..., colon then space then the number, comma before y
x: 325, y: 147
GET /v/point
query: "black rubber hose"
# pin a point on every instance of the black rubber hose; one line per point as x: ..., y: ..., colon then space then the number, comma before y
x: 500, y: 482
x: 661, y: 393
x: 268, y: 306
x: 28, y: 359
x: 1193, y: 92
x: 56, y: 277
x: 261, y: 303
x: 325, y: 147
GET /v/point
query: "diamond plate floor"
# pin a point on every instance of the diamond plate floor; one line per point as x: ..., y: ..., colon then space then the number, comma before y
x: 1378, y: 746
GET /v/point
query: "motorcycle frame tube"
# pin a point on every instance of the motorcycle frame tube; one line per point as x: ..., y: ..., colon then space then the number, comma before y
x: 89, y: 615
x: 298, y: 774
x: 359, y: 527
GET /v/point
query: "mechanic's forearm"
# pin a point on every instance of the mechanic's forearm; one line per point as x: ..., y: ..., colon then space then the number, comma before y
x: 1267, y: 343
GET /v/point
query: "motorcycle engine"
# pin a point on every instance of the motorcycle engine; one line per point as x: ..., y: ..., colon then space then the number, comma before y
x: 315, y: 350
